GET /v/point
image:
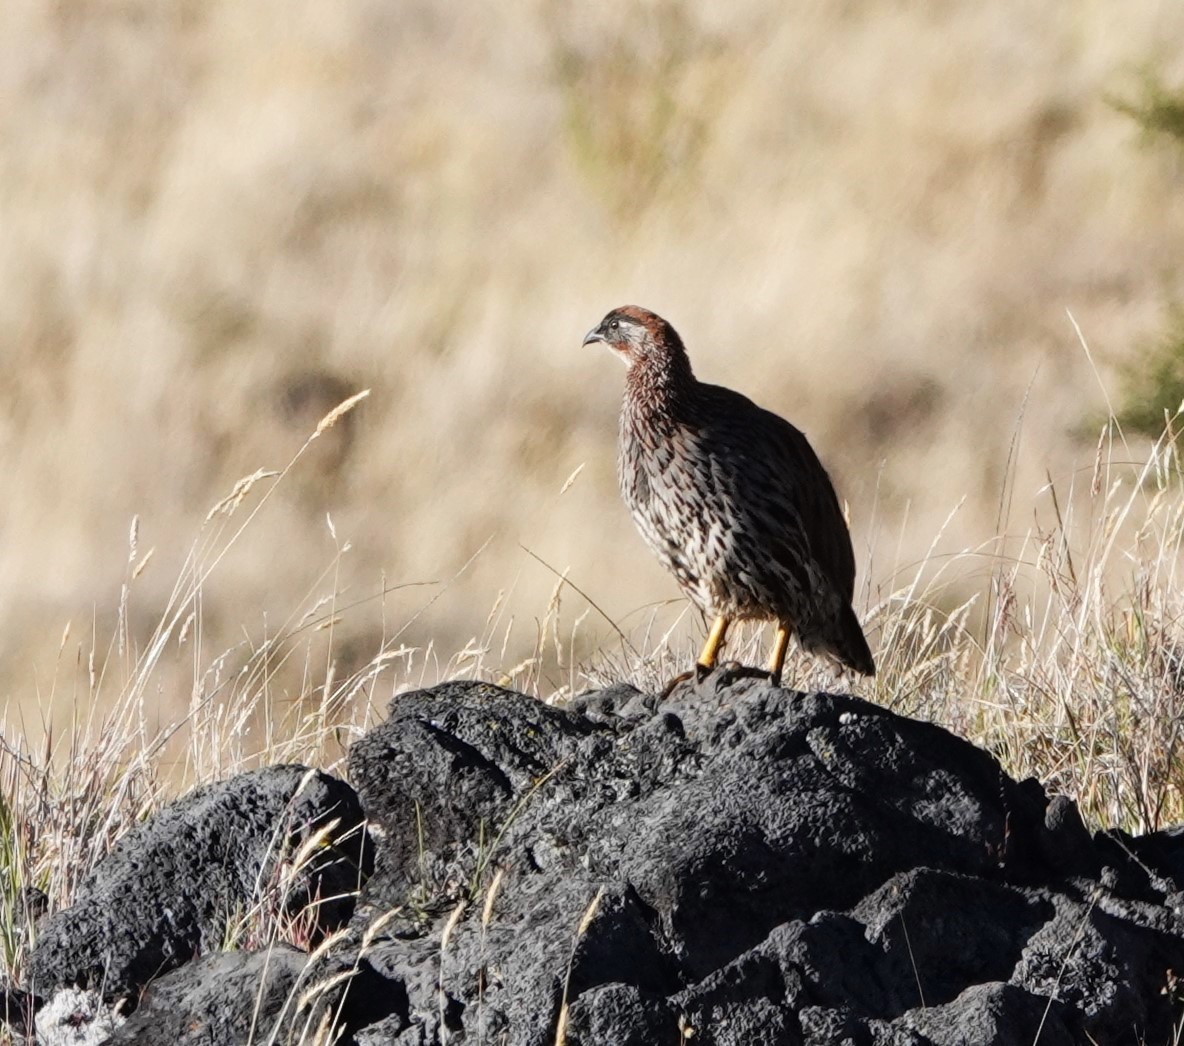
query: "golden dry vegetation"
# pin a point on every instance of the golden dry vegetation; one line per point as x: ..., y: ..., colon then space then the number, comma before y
x: 921, y: 231
x: 925, y: 232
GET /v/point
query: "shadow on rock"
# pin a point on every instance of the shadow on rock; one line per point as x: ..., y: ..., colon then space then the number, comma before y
x: 735, y: 866
x: 756, y: 865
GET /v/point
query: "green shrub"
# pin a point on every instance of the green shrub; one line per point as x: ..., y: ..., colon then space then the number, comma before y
x: 1158, y: 110
x: 1153, y: 381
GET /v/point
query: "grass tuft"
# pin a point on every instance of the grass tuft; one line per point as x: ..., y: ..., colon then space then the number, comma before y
x: 1058, y: 646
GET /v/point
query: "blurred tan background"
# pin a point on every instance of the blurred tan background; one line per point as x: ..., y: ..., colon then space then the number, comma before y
x: 220, y: 218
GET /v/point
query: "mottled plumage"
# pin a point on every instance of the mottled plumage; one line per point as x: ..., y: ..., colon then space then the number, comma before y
x: 732, y: 499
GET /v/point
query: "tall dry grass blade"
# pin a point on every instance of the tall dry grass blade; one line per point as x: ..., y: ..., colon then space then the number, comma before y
x: 338, y: 412
x: 585, y: 923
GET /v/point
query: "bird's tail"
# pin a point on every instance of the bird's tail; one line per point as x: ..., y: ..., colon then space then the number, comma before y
x: 850, y: 645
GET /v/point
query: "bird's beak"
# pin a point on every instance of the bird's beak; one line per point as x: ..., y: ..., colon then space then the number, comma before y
x: 594, y: 335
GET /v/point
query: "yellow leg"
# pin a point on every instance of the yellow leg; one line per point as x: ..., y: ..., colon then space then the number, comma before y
x: 706, y: 662
x: 777, y: 658
x: 715, y: 639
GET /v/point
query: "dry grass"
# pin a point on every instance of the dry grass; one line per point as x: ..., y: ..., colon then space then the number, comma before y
x: 1065, y: 660
x: 221, y: 220
x: 1064, y: 653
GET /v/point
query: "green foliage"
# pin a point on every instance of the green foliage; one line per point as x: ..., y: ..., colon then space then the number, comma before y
x: 1153, y: 381
x: 1158, y: 110
x: 9, y: 885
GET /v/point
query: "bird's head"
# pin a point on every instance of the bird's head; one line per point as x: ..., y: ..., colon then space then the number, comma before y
x: 639, y: 338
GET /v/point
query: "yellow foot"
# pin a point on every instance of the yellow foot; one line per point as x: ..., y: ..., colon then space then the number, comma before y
x: 777, y: 657
x: 715, y: 639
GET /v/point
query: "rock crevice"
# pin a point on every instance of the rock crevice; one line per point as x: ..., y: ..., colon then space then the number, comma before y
x: 737, y: 865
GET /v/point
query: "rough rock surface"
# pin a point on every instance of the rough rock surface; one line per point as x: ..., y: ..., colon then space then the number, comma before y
x: 272, y: 995
x: 735, y: 865
x: 164, y: 895
x: 757, y: 865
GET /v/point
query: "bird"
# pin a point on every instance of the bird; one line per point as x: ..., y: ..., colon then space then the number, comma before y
x: 733, y: 501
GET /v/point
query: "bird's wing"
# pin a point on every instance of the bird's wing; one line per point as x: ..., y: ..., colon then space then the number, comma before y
x: 766, y: 460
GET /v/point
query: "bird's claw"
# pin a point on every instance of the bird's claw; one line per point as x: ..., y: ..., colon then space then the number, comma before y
x: 727, y: 672
x: 732, y: 671
x: 682, y: 677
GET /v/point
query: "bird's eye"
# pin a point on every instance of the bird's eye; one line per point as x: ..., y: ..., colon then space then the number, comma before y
x: 614, y: 325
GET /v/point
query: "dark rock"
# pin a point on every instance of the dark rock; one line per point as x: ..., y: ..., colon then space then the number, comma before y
x: 447, y: 766
x: 1113, y: 967
x: 991, y: 1014
x: 1066, y: 845
x: 223, y: 998
x: 750, y: 1001
x: 829, y: 961
x: 273, y: 995
x: 822, y: 1026
x: 621, y: 1014
x: 734, y: 866
x: 17, y: 1009
x: 577, y: 937
x: 1151, y: 866
x: 769, y: 867
x: 1163, y: 851
x: 614, y: 704
x: 937, y: 932
x: 383, y: 1032
x: 164, y: 894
